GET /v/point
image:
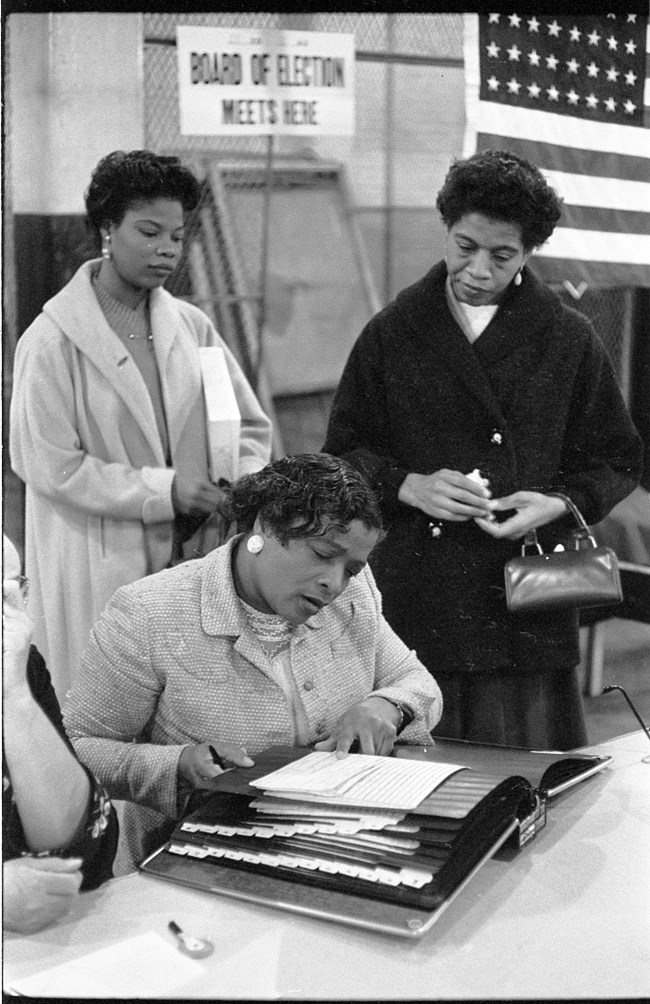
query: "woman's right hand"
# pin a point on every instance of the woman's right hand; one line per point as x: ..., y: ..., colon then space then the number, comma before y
x: 196, y: 768
x: 192, y: 495
x: 447, y: 495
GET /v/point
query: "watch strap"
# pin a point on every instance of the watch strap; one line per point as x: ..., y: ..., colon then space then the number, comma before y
x: 406, y: 715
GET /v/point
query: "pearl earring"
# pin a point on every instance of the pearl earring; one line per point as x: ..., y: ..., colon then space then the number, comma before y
x: 106, y: 248
x: 255, y: 543
x: 517, y: 279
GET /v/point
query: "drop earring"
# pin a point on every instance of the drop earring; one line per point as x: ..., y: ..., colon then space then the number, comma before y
x: 517, y: 279
x: 107, y: 254
x: 255, y: 543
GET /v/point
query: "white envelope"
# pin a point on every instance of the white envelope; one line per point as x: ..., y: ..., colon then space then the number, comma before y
x: 222, y: 415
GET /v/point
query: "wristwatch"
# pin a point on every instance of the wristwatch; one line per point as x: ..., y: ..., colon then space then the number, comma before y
x: 406, y: 715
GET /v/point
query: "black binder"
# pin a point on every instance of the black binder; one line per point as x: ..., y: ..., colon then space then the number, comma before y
x: 223, y: 845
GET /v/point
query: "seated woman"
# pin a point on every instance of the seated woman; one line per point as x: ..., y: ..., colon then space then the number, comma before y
x: 275, y: 638
x: 59, y: 830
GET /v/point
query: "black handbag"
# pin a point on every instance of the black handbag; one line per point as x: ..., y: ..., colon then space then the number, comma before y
x: 585, y: 575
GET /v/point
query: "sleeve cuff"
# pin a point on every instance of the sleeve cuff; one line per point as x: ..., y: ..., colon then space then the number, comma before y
x: 158, y: 508
x: 387, y: 485
x: 249, y: 465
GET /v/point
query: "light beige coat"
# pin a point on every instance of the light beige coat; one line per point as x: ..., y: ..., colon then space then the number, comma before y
x: 83, y: 437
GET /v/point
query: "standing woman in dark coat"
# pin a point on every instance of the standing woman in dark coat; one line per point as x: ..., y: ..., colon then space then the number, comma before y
x: 479, y: 366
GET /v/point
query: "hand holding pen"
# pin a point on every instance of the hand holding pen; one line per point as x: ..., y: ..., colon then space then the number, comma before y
x: 200, y: 764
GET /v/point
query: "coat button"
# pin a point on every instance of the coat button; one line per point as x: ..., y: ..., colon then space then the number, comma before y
x: 308, y: 685
x: 496, y: 438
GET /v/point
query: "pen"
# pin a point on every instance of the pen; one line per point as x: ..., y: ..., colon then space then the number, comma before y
x: 197, y: 948
x: 216, y: 758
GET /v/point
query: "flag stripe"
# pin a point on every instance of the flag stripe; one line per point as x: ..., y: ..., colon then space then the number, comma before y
x: 608, y: 220
x: 594, y: 191
x: 594, y: 273
x: 552, y: 157
x: 592, y: 245
x: 544, y: 127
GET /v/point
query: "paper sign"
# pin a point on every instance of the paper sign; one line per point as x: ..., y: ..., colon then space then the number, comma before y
x: 222, y: 414
x: 246, y: 82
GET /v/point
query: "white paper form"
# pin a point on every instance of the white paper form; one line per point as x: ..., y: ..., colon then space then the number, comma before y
x: 150, y: 965
x: 147, y: 965
x: 358, y: 779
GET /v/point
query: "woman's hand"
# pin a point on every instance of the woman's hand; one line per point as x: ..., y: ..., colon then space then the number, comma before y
x: 446, y: 494
x: 532, y: 510
x: 37, y: 891
x: 194, y: 495
x: 16, y: 639
x: 196, y: 768
x: 373, y: 722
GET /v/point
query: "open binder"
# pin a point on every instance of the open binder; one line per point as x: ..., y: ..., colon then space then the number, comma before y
x: 394, y: 876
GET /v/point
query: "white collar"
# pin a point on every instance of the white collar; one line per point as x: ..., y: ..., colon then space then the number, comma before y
x: 473, y: 320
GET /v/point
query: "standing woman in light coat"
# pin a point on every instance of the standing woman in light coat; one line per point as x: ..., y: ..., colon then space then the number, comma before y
x: 107, y: 424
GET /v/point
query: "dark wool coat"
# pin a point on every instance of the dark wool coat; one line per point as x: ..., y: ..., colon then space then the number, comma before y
x: 533, y: 404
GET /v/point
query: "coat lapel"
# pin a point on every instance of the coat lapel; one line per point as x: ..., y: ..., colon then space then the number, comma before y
x: 429, y: 314
x: 517, y: 318
x: 221, y: 612
x: 520, y: 320
x: 180, y: 371
x: 76, y: 311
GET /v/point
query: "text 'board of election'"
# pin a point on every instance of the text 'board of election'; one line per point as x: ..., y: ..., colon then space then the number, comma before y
x: 242, y: 82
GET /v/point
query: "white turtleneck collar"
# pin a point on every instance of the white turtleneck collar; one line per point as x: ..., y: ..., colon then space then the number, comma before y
x: 473, y: 320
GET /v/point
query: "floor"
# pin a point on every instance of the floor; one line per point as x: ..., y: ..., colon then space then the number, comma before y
x: 627, y: 646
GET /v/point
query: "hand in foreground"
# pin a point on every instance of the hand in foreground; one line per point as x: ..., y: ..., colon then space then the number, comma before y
x: 16, y: 637
x: 193, y: 495
x: 196, y: 767
x: 532, y: 510
x: 373, y: 722
x: 446, y: 494
x: 37, y: 891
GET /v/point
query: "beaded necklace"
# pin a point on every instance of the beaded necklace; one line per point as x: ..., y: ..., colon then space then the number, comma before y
x: 272, y: 631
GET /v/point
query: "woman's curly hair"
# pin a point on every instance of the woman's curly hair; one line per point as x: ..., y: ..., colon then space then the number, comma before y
x: 501, y: 186
x: 303, y: 496
x: 122, y: 179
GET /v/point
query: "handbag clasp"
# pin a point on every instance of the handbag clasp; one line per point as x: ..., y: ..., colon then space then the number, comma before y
x: 584, y: 539
x: 530, y: 541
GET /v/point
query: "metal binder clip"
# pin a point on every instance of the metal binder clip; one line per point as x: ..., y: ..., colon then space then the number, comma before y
x: 533, y: 822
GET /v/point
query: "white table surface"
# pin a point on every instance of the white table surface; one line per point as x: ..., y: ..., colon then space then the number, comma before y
x: 569, y: 916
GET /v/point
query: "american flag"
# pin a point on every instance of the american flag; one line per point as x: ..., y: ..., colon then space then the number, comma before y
x: 571, y: 95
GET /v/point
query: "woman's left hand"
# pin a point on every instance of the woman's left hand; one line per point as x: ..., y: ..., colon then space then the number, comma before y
x: 372, y: 722
x: 532, y: 509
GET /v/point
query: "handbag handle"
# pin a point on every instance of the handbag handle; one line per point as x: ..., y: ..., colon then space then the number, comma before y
x: 573, y: 509
x: 583, y: 532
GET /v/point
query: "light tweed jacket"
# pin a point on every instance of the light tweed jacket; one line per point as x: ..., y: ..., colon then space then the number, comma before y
x: 173, y: 661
